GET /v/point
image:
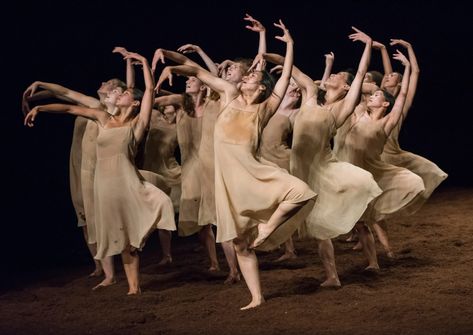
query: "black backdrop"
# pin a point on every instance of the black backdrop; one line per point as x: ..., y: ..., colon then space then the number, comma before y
x: 70, y: 43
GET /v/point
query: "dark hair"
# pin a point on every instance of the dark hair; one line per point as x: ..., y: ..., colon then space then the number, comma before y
x: 377, y: 77
x: 349, y: 80
x: 268, y: 81
x: 188, y: 104
x: 389, y: 98
x: 136, y: 93
x: 350, y: 75
x: 245, y: 63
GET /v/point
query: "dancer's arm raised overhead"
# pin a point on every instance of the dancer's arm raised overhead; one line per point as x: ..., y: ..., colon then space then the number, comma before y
x: 256, y: 26
x: 329, y: 58
x: 189, y: 48
x: 384, y: 56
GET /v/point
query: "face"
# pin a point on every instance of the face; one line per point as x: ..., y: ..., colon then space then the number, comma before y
x: 106, y: 87
x: 368, y: 78
x: 377, y: 99
x: 251, y: 80
x: 391, y: 80
x: 293, y: 92
x: 337, y: 80
x: 193, y: 85
x: 169, y: 113
x: 113, y: 95
x: 125, y: 99
x: 234, y: 73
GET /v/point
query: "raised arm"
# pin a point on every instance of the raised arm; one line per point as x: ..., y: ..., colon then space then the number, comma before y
x: 414, y: 77
x: 161, y: 54
x: 283, y: 82
x: 188, y: 48
x: 256, y: 26
x: 130, y: 70
x: 62, y: 93
x: 329, y: 59
x: 146, y: 107
x: 394, y: 116
x: 166, y: 100
x: 384, y: 56
x: 351, y: 99
x: 90, y: 113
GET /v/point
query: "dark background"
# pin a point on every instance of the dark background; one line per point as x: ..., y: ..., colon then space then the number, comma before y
x: 70, y: 43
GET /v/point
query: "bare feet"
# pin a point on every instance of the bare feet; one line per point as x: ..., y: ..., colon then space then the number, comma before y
x: 254, y: 303
x: 286, y: 256
x: 214, y: 268
x: 232, y: 279
x: 97, y: 272
x: 167, y: 260
x: 358, y: 246
x: 134, y: 291
x: 331, y: 283
x: 263, y: 233
x: 106, y: 282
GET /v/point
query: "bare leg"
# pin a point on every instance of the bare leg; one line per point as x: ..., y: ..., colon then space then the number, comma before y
x: 207, y: 238
x: 280, y: 215
x: 369, y: 249
x: 380, y: 230
x: 165, y: 237
x: 249, y: 268
x: 131, y: 263
x: 93, y: 251
x: 327, y: 255
x: 109, y: 270
x: 289, y: 252
x: 230, y: 255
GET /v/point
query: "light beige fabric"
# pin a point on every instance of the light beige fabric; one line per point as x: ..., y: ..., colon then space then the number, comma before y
x: 127, y: 208
x: 344, y: 190
x: 248, y: 190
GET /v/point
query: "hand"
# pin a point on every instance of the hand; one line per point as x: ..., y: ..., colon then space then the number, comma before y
x: 277, y: 69
x: 377, y: 45
x: 359, y: 36
x: 135, y: 56
x: 329, y: 58
x: 30, y: 117
x: 25, y: 107
x: 189, y: 48
x: 165, y: 75
x: 120, y: 50
x: 400, y: 57
x: 158, y: 56
x: 286, y: 37
x: 258, y: 62
x: 222, y: 67
x: 255, y: 24
x: 405, y: 44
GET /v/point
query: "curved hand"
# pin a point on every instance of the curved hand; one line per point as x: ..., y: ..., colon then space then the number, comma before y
x: 158, y: 56
x: 400, y: 57
x: 287, y: 36
x: 377, y: 45
x: 189, y: 48
x: 122, y: 51
x: 276, y: 69
x: 223, y: 66
x: 135, y: 56
x: 329, y: 58
x: 165, y: 75
x: 359, y: 36
x: 255, y: 24
x: 30, y: 117
x: 259, y: 60
x: 405, y: 44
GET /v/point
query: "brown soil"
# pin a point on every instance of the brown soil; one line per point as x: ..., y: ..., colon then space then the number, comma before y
x: 427, y: 289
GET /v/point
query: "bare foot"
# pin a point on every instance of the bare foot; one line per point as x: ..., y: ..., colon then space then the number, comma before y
x: 331, y: 283
x: 167, y: 260
x: 106, y: 282
x: 263, y: 234
x: 254, y: 303
x: 372, y: 268
x: 358, y: 246
x: 134, y: 291
x: 97, y: 273
x: 286, y: 256
x: 214, y: 268
x: 232, y: 279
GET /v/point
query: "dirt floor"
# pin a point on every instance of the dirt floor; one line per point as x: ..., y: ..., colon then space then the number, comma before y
x: 427, y: 289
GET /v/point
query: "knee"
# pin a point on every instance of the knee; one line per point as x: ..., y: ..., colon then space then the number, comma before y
x: 240, y: 246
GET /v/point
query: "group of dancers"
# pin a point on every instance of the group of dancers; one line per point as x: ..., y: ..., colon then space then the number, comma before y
x: 260, y: 159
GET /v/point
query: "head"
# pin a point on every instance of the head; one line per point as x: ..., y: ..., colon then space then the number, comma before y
x: 237, y: 70
x: 169, y: 112
x: 110, y: 85
x: 293, y: 94
x: 194, y: 86
x: 373, y: 77
x: 391, y: 80
x: 112, y: 96
x: 342, y: 79
x: 131, y: 97
x: 381, y: 99
x: 260, y: 81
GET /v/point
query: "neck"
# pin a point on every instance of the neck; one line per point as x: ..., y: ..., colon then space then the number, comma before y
x: 376, y: 113
x: 334, y: 95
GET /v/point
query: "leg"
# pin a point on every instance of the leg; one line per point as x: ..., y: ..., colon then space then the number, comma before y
x: 353, y: 236
x: 280, y: 215
x: 380, y: 230
x: 290, y: 251
x: 131, y: 263
x: 327, y: 255
x: 207, y: 238
x: 249, y: 268
x: 109, y: 270
x: 369, y: 248
x: 230, y: 255
x: 165, y: 237
x: 93, y: 250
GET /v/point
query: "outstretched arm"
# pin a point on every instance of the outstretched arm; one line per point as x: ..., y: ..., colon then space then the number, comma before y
x: 384, y: 55
x: 256, y: 26
x: 161, y: 54
x: 351, y: 99
x: 393, y: 118
x: 188, y: 48
x: 143, y: 118
x: 166, y: 100
x: 414, y: 77
x: 130, y: 70
x: 90, y: 113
